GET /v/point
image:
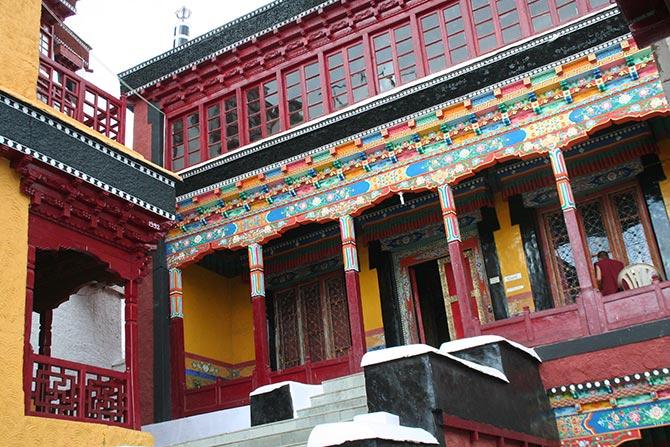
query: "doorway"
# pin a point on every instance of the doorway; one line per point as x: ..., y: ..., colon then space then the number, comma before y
x: 429, y: 302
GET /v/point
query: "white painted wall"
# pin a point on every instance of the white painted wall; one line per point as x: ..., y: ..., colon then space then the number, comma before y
x: 88, y: 328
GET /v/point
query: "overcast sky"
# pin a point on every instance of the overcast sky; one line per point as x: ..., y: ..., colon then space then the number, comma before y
x: 124, y: 33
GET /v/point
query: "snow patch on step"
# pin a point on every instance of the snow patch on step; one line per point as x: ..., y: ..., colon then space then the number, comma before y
x: 399, y: 352
x: 301, y: 393
x: 201, y: 426
x: 471, y: 342
x: 368, y: 426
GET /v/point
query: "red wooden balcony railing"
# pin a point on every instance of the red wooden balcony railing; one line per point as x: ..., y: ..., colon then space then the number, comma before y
x: 68, y: 390
x: 586, y: 317
x: 65, y: 91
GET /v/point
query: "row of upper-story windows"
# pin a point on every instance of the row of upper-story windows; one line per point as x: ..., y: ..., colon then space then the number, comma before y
x: 416, y: 46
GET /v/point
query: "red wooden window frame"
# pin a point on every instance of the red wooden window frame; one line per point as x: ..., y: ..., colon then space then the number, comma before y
x: 46, y: 41
x: 304, y: 94
x: 395, y: 60
x: 266, y: 121
x: 188, y: 127
x: 345, y: 75
x: 223, y: 126
x: 348, y: 67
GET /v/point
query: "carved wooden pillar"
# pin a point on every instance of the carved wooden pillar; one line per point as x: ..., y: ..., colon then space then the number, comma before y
x: 46, y: 323
x: 261, y: 342
x: 463, y: 284
x: 177, y: 357
x: 351, y: 269
x: 579, y: 255
x: 132, y: 354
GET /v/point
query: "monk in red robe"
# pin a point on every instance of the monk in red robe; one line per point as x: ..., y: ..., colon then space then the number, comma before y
x: 607, y: 271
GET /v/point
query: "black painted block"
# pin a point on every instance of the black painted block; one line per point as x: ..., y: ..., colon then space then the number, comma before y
x: 424, y: 388
x: 273, y: 406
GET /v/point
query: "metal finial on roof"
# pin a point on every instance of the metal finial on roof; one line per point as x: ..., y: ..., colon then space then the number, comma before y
x: 183, y: 13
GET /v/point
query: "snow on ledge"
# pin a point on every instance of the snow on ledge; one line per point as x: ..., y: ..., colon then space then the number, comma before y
x: 471, y: 342
x: 368, y: 426
x: 399, y: 352
x: 301, y: 393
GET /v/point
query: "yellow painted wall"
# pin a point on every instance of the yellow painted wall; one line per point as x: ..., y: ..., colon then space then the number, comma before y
x: 664, y: 155
x: 372, y: 310
x: 16, y: 428
x: 19, y: 51
x: 512, y: 260
x: 218, y: 321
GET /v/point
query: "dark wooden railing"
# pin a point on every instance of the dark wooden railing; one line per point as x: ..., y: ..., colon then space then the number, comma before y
x: 69, y: 390
x: 65, y: 91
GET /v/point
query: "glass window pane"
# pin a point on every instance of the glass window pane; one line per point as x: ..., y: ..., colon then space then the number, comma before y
x: 485, y: 28
x: 213, y: 111
x: 293, y: 78
x: 479, y: 3
x: 315, y: 111
x: 567, y: 12
x: 457, y: 40
x: 406, y: 61
x: 178, y: 151
x: 487, y: 43
x: 355, y: 52
x: 314, y: 97
x: 232, y: 130
x: 194, y: 119
x: 177, y: 164
x: 254, y: 120
x: 335, y: 60
x: 435, y: 65
x: 539, y: 7
x: 452, y: 12
x: 429, y: 22
x: 255, y: 134
x: 360, y: 93
x: 505, y: 5
x: 511, y: 34
x: 253, y: 94
x: 193, y: 132
x: 405, y: 47
x: 384, y: 55
x: 194, y: 158
x: 357, y: 65
x: 215, y: 136
x: 337, y: 74
x: 434, y: 50
x: 295, y: 104
x: 459, y: 55
x: 293, y: 92
x: 341, y: 101
x: 311, y: 70
x: 231, y: 116
x: 270, y: 87
x: 232, y: 143
x: 402, y: 33
x: 542, y: 22
x: 358, y: 79
x: 509, y: 19
x: 213, y: 124
x: 313, y: 83
x: 455, y: 26
x: 482, y: 14
x: 271, y: 100
x: 408, y: 74
x: 382, y: 41
x: 295, y: 118
x: 214, y: 150
x: 431, y: 36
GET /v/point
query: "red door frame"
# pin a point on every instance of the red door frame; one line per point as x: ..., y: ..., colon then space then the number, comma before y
x: 409, y: 262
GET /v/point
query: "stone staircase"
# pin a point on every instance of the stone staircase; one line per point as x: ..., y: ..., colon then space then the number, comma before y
x: 342, y: 399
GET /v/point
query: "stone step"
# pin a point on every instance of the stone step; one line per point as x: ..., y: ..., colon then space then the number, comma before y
x: 329, y: 407
x: 352, y: 381
x: 336, y: 396
x: 294, y: 431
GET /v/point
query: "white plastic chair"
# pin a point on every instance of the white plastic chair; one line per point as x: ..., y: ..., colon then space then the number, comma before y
x: 637, y: 275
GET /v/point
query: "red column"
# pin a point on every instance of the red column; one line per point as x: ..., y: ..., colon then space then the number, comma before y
x: 261, y: 340
x: 177, y: 358
x: 132, y: 354
x: 46, y: 322
x: 588, y: 296
x: 471, y: 326
x: 351, y: 269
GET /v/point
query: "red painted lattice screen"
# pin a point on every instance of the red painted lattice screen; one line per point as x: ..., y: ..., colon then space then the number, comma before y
x: 64, y: 389
x: 62, y: 89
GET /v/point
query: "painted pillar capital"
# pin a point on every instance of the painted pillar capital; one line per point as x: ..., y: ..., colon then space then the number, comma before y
x: 349, y: 251
x: 449, y: 215
x: 256, y: 272
x: 176, y: 294
x: 562, y: 179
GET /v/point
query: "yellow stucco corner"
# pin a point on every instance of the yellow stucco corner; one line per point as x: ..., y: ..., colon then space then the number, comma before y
x: 19, y: 52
